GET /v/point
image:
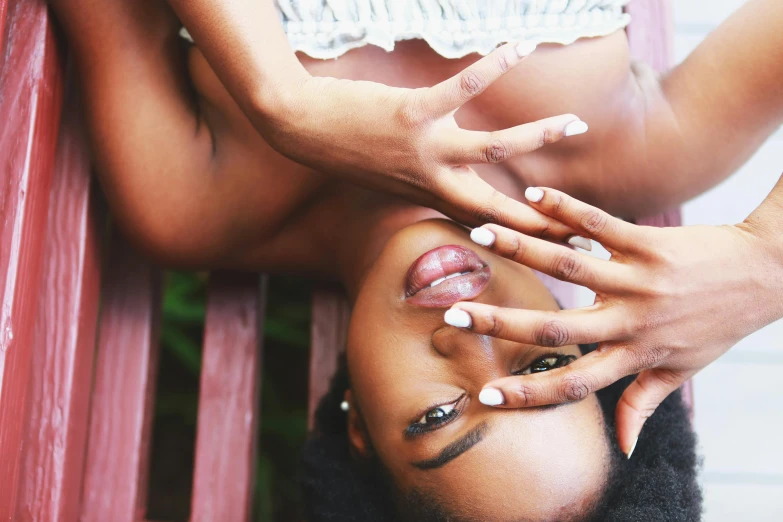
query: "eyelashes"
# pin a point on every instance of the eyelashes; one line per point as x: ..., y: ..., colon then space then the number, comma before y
x: 437, y: 417
x: 547, y: 362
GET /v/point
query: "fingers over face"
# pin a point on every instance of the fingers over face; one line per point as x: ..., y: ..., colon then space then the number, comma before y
x: 639, y: 402
x: 585, y: 219
x: 576, y: 381
x: 465, y: 197
x: 463, y: 147
x: 543, y: 328
x: 555, y: 260
x: 450, y: 94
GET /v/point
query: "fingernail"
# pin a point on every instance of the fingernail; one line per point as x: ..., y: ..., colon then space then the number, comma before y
x: 534, y: 194
x: 482, y: 236
x: 458, y: 318
x: 633, y: 448
x: 581, y: 242
x: 525, y: 48
x: 491, y: 397
x: 574, y: 128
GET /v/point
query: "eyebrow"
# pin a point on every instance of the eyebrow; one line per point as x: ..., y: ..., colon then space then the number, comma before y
x: 454, y: 449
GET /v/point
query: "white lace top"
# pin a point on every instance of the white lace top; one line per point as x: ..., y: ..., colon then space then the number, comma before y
x: 453, y: 28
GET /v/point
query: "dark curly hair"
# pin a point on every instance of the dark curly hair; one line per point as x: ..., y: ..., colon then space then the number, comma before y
x: 659, y: 484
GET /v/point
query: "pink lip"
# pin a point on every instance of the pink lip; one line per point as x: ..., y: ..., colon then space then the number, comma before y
x: 439, y: 263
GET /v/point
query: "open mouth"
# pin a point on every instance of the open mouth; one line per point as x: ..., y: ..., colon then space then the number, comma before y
x: 444, y: 276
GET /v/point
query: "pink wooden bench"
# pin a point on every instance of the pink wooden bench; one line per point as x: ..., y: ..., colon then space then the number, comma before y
x: 79, y: 313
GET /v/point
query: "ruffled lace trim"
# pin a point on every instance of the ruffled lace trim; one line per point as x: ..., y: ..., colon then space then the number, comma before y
x: 327, y: 29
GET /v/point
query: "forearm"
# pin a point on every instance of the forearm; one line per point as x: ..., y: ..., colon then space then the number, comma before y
x: 721, y: 103
x: 245, y: 44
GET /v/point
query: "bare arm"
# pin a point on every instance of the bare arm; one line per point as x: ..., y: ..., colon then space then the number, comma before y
x: 402, y: 141
x: 710, y: 113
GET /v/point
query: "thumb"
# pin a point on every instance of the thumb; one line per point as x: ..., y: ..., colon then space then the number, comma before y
x: 639, y: 402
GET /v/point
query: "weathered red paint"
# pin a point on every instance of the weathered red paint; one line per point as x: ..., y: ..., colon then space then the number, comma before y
x: 30, y: 99
x: 64, y: 338
x: 117, y: 463
x: 229, y: 399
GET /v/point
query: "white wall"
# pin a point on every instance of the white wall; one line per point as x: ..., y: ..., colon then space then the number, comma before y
x: 738, y: 399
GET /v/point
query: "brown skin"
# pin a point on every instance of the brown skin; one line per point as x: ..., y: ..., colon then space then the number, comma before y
x: 191, y: 181
x: 534, y: 464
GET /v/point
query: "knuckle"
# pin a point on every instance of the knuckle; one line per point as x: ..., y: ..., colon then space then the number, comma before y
x: 557, y: 203
x: 412, y: 112
x: 496, y: 151
x: 567, y: 266
x: 577, y: 386
x: 516, y: 249
x: 552, y: 333
x: 490, y: 211
x: 502, y: 62
x: 470, y: 84
x: 595, y: 222
x: 542, y: 231
x: 495, y: 325
x: 541, y: 137
x: 520, y: 394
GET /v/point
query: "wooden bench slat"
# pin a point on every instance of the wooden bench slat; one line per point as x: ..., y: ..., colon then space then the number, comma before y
x: 229, y: 395
x: 331, y: 313
x: 64, y: 338
x: 117, y: 463
x: 30, y: 99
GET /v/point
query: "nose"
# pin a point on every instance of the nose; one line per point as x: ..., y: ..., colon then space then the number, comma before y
x: 469, y: 352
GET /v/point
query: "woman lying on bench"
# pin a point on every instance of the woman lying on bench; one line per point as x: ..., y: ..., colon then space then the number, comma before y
x: 196, y: 182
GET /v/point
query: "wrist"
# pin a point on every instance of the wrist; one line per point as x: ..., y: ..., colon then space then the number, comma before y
x: 765, y: 228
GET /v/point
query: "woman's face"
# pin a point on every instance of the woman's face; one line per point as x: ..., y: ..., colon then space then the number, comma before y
x: 416, y: 382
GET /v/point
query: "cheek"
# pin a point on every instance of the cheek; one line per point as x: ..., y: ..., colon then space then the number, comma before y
x: 538, y: 465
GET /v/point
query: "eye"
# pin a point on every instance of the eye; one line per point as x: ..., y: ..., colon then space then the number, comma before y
x: 435, y: 418
x: 546, y: 363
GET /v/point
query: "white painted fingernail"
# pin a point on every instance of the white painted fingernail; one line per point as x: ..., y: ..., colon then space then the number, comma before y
x: 458, y: 318
x: 491, y: 397
x: 482, y: 236
x: 633, y: 448
x: 534, y: 194
x: 525, y: 48
x: 581, y: 242
x: 574, y: 128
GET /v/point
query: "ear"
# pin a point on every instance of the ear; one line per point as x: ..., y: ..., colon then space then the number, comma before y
x: 357, y: 431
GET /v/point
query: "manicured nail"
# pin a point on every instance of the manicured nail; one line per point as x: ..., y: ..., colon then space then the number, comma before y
x: 633, y: 448
x: 574, y: 128
x: 534, y: 194
x: 581, y: 242
x: 482, y: 236
x: 458, y: 318
x: 491, y: 397
x: 525, y: 48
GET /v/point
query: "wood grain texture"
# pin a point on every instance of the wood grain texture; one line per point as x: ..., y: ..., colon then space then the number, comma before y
x: 117, y: 462
x: 229, y: 394
x: 30, y: 99
x: 331, y: 314
x: 651, y: 38
x: 64, y: 338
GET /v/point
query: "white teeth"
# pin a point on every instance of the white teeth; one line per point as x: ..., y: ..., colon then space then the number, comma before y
x: 439, y: 281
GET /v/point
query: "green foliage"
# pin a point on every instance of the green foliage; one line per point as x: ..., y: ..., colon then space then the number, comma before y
x: 284, y: 391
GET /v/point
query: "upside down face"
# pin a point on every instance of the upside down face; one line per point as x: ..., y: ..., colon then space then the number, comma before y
x: 416, y: 380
